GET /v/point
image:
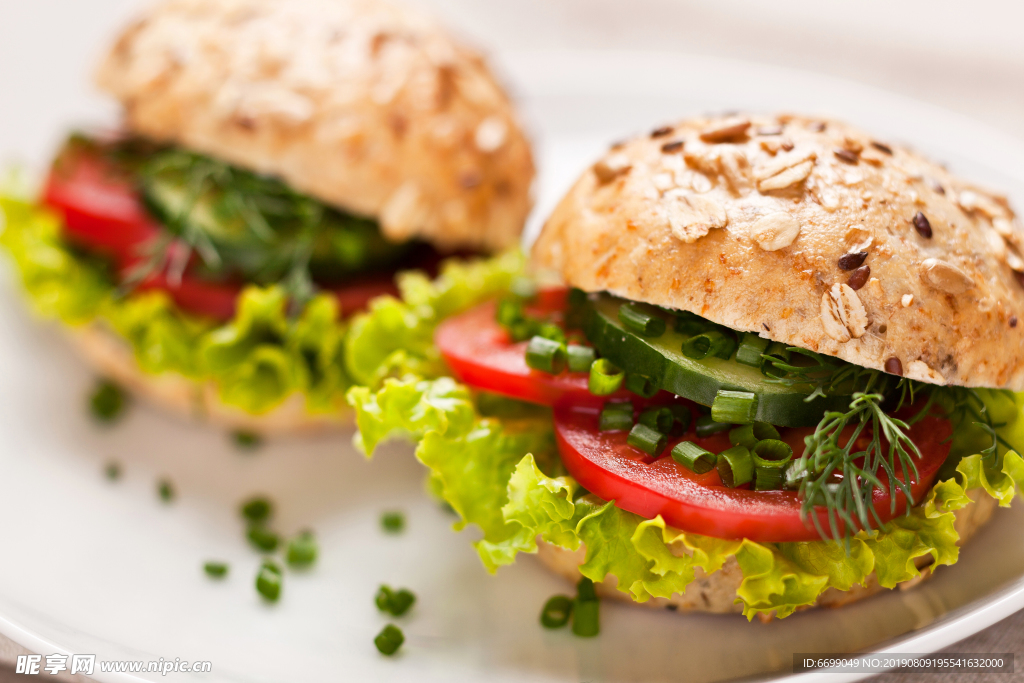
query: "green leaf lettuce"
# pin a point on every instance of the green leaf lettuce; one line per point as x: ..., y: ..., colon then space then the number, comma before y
x: 495, y: 475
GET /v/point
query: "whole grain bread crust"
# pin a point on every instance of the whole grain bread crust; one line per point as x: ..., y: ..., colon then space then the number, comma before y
x: 113, y: 358
x: 806, y: 232
x: 716, y: 592
x: 365, y: 105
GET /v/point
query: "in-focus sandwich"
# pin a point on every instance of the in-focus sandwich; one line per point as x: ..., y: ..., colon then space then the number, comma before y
x: 779, y: 373
x: 280, y: 161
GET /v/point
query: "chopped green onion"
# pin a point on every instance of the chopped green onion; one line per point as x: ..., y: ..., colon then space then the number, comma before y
x: 660, y: 419
x: 771, y: 457
x: 523, y: 288
x: 779, y: 350
x: 616, y: 416
x: 748, y: 435
x: 707, y: 426
x: 556, y: 612
x: 736, y: 407
x: 639, y: 321
x: 709, y: 343
x: 775, y: 350
x: 735, y: 466
x: 690, y: 323
x: 302, y: 550
x: 693, y: 457
x: 107, y: 401
x: 551, y: 331
x: 268, y: 581
x: 586, y: 607
x: 509, y: 312
x: 750, y: 350
x: 216, y: 570
x: 648, y: 440
x: 579, y: 358
x: 768, y: 479
x: 247, y: 440
x: 113, y: 471
x: 772, y: 453
x: 521, y: 330
x: 682, y: 415
x: 585, y: 589
x: 389, y: 640
x: 641, y: 385
x: 257, y: 509
x: 605, y: 378
x: 263, y: 538
x: 393, y: 522
x: 545, y: 355
x: 394, y: 602
x: 165, y: 489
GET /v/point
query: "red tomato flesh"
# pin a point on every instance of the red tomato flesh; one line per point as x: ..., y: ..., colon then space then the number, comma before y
x: 604, y: 464
x: 101, y: 209
x: 102, y: 212
x: 479, y: 352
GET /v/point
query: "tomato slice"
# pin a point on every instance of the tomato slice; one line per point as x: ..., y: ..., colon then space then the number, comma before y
x: 604, y: 464
x: 100, y: 208
x: 102, y: 212
x: 479, y: 352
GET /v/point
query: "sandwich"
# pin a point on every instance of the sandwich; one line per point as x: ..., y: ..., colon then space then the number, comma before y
x: 279, y: 163
x: 764, y: 364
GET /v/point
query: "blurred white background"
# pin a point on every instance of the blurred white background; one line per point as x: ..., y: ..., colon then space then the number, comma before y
x: 966, y: 56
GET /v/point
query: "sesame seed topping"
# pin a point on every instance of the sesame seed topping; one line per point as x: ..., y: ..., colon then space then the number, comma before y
x: 672, y: 147
x: 470, y: 180
x: 846, y: 155
x: 1013, y: 321
x: 906, y: 300
x: 852, y: 260
x: 662, y: 132
x: 935, y: 185
x: 882, y: 147
x: 859, y: 277
x: 769, y: 130
x: 729, y: 130
x: 816, y: 126
x: 922, y: 225
x: 894, y: 367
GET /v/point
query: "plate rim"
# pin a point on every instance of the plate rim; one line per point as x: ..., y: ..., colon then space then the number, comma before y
x: 1001, y: 147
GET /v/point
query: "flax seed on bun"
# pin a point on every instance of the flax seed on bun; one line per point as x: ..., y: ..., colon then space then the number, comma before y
x: 366, y: 105
x: 807, y: 232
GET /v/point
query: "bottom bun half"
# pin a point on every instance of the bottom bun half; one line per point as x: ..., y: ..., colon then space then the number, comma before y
x: 113, y: 358
x: 716, y: 593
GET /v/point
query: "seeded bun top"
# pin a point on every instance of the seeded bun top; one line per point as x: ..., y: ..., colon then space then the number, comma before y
x: 807, y: 232
x: 360, y: 103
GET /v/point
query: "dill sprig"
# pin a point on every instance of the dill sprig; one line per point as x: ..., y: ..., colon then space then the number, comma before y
x: 226, y: 223
x: 848, y: 499
x: 817, y: 374
x: 844, y: 459
x: 234, y: 220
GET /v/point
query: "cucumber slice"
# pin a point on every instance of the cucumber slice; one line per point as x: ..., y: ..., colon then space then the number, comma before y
x: 661, y: 358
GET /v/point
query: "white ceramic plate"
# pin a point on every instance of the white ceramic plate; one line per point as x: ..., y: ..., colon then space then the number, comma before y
x: 105, y: 568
